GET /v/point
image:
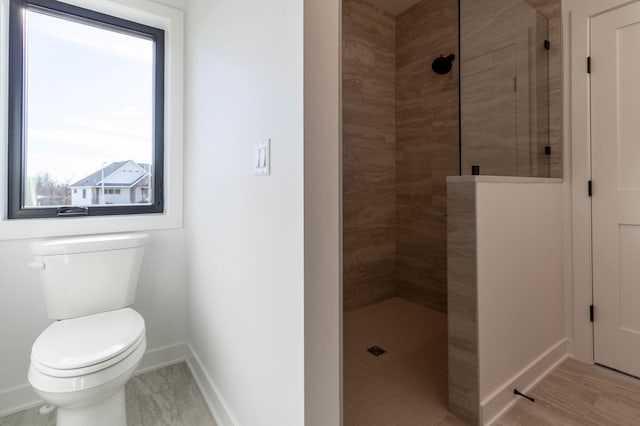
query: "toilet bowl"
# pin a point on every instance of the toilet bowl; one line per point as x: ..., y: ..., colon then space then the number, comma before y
x: 81, y: 366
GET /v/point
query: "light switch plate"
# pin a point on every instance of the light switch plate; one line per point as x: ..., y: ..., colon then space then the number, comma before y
x: 262, y: 158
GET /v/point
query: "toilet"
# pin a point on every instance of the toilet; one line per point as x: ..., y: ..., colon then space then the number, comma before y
x: 82, y: 361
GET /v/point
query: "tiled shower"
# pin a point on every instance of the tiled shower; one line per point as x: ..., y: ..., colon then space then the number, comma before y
x: 402, y: 135
x: 400, y: 141
x: 405, y: 129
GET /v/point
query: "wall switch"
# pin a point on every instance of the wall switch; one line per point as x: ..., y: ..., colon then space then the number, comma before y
x: 262, y: 158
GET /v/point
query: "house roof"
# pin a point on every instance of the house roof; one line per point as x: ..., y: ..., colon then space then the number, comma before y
x: 121, y: 174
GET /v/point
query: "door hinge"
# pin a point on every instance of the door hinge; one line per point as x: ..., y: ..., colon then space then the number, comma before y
x: 588, y: 64
x: 590, y: 188
x: 591, y: 313
x: 547, y: 150
x: 547, y: 44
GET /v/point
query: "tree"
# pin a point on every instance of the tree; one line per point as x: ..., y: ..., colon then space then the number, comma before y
x: 47, y: 191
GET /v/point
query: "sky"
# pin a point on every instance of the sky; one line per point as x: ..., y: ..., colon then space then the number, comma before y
x: 89, y: 98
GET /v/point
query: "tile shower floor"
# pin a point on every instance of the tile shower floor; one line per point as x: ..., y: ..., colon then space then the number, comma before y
x: 168, y: 396
x: 407, y: 385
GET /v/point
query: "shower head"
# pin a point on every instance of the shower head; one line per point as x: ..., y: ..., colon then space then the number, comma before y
x: 442, y: 65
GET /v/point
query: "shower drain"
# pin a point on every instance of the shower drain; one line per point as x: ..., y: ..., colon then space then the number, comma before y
x: 376, y: 350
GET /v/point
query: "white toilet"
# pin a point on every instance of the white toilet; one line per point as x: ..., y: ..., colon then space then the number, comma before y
x: 81, y: 362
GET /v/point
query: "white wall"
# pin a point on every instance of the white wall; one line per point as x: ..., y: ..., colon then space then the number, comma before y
x: 76, y: 197
x: 161, y: 296
x: 249, y: 279
x: 323, y: 210
x: 520, y: 283
x: 122, y: 198
x: 244, y: 84
x: 161, y: 299
x: 22, y: 319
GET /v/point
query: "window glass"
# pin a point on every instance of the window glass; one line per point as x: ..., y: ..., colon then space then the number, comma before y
x: 91, y: 114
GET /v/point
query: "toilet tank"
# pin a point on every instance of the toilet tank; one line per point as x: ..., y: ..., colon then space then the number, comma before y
x: 89, y: 274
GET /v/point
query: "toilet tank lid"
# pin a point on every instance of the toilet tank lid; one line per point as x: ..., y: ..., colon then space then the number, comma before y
x: 90, y: 243
x: 85, y: 341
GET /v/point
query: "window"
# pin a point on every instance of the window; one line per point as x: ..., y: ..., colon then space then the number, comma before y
x: 87, y: 111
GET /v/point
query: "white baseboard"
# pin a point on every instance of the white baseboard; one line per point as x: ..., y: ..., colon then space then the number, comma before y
x: 502, y: 399
x: 17, y: 399
x: 218, y: 407
x: 23, y: 397
x: 162, y: 357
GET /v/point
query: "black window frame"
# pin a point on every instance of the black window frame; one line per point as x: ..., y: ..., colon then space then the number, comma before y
x: 16, y: 158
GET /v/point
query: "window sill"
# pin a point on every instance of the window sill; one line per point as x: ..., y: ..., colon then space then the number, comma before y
x: 16, y: 229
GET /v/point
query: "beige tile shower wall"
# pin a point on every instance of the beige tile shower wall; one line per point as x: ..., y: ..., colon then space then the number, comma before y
x: 369, y: 168
x: 426, y: 149
x: 462, y: 319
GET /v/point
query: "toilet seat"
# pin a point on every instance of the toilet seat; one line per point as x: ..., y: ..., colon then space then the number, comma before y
x: 109, y: 376
x: 84, y: 345
x: 83, y: 371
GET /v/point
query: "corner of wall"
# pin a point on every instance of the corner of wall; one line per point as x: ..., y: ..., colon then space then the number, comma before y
x: 212, y: 396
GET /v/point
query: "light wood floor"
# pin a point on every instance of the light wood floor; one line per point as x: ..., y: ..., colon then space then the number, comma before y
x: 579, y: 394
x: 408, y: 384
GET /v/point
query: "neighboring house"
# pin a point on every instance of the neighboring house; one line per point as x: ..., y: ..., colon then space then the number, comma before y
x: 123, y: 182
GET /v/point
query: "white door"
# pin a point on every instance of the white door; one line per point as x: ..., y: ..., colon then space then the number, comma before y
x: 615, y: 144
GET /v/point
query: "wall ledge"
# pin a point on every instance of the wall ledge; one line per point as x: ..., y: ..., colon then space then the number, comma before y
x: 500, y: 179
